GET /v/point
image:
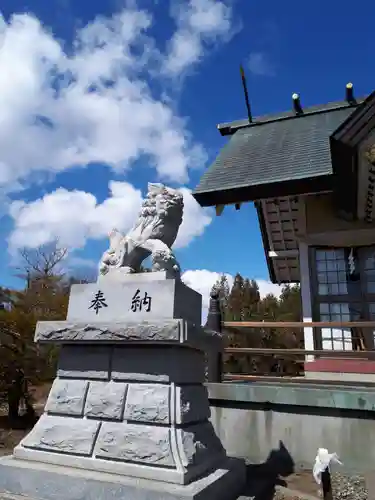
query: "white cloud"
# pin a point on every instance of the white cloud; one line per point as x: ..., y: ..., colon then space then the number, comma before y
x: 72, y: 217
x: 267, y: 288
x: 259, y: 64
x: 200, y: 24
x: 96, y: 101
x: 194, y: 222
x: 202, y: 281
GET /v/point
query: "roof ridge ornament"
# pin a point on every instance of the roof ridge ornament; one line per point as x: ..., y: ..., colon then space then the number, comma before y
x: 246, y: 93
x: 349, y: 94
x: 297, y: 104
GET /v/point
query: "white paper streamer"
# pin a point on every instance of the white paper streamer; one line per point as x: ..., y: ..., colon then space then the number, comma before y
x: 323, y: 460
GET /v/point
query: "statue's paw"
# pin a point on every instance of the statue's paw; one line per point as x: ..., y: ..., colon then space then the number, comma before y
x: 127, y: 270
x: 103, y: 270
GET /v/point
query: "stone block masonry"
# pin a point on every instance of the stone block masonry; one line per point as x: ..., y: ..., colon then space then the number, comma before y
x: 128, y: 399
x: 132, y: 363
x: 137, y: 402
x: 153, y: 332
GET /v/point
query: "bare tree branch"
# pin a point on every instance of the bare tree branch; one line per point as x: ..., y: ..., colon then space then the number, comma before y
x: 43, y: 262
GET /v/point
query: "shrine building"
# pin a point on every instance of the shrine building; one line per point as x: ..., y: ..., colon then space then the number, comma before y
x: 311, y: 174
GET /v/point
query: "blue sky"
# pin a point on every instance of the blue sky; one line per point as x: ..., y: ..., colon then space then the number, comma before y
x: 83, y: 116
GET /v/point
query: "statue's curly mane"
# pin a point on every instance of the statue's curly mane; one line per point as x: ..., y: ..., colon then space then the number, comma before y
x: 162, y: 209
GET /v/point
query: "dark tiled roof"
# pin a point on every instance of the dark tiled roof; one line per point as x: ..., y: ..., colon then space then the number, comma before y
x: 230, y: 127
x: 274, y: 149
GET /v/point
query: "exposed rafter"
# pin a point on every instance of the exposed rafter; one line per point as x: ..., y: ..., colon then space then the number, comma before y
x: 219, y: 209
x: 282, y: 217
x: 282, y: 254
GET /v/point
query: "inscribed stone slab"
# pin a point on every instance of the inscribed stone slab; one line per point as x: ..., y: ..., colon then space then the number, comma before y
x: 110, y: 301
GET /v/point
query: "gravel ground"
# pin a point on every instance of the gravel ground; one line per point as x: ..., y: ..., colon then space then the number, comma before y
x: 348, y: 488
x: 281, y: 495
x: 343, y: 488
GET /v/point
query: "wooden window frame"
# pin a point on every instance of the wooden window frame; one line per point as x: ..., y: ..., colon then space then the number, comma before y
x: 362, y: 297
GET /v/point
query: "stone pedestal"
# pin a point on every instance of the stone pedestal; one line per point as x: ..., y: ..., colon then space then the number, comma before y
x: 128, y: 400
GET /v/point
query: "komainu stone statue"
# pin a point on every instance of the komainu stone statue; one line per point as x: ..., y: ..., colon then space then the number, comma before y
x: 152, y: 235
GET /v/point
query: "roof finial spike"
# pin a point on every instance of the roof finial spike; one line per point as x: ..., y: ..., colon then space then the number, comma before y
x: 243, y: 78
x: 297, y: 104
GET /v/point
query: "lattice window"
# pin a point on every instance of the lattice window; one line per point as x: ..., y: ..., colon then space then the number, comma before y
x: 339, y: 339
x: 343, y: 290
x: 331, y: 272
x: 368, y: 259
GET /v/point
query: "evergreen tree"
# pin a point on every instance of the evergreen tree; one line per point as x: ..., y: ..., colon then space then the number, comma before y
x: 251, y: 299
x: 291, y: 310
x: 236, y: 299
x: 290, y: 303
x: 244, y: 304
x: 222, y: 288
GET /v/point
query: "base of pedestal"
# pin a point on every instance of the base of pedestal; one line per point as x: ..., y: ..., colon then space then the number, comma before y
x: 38, y: 481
